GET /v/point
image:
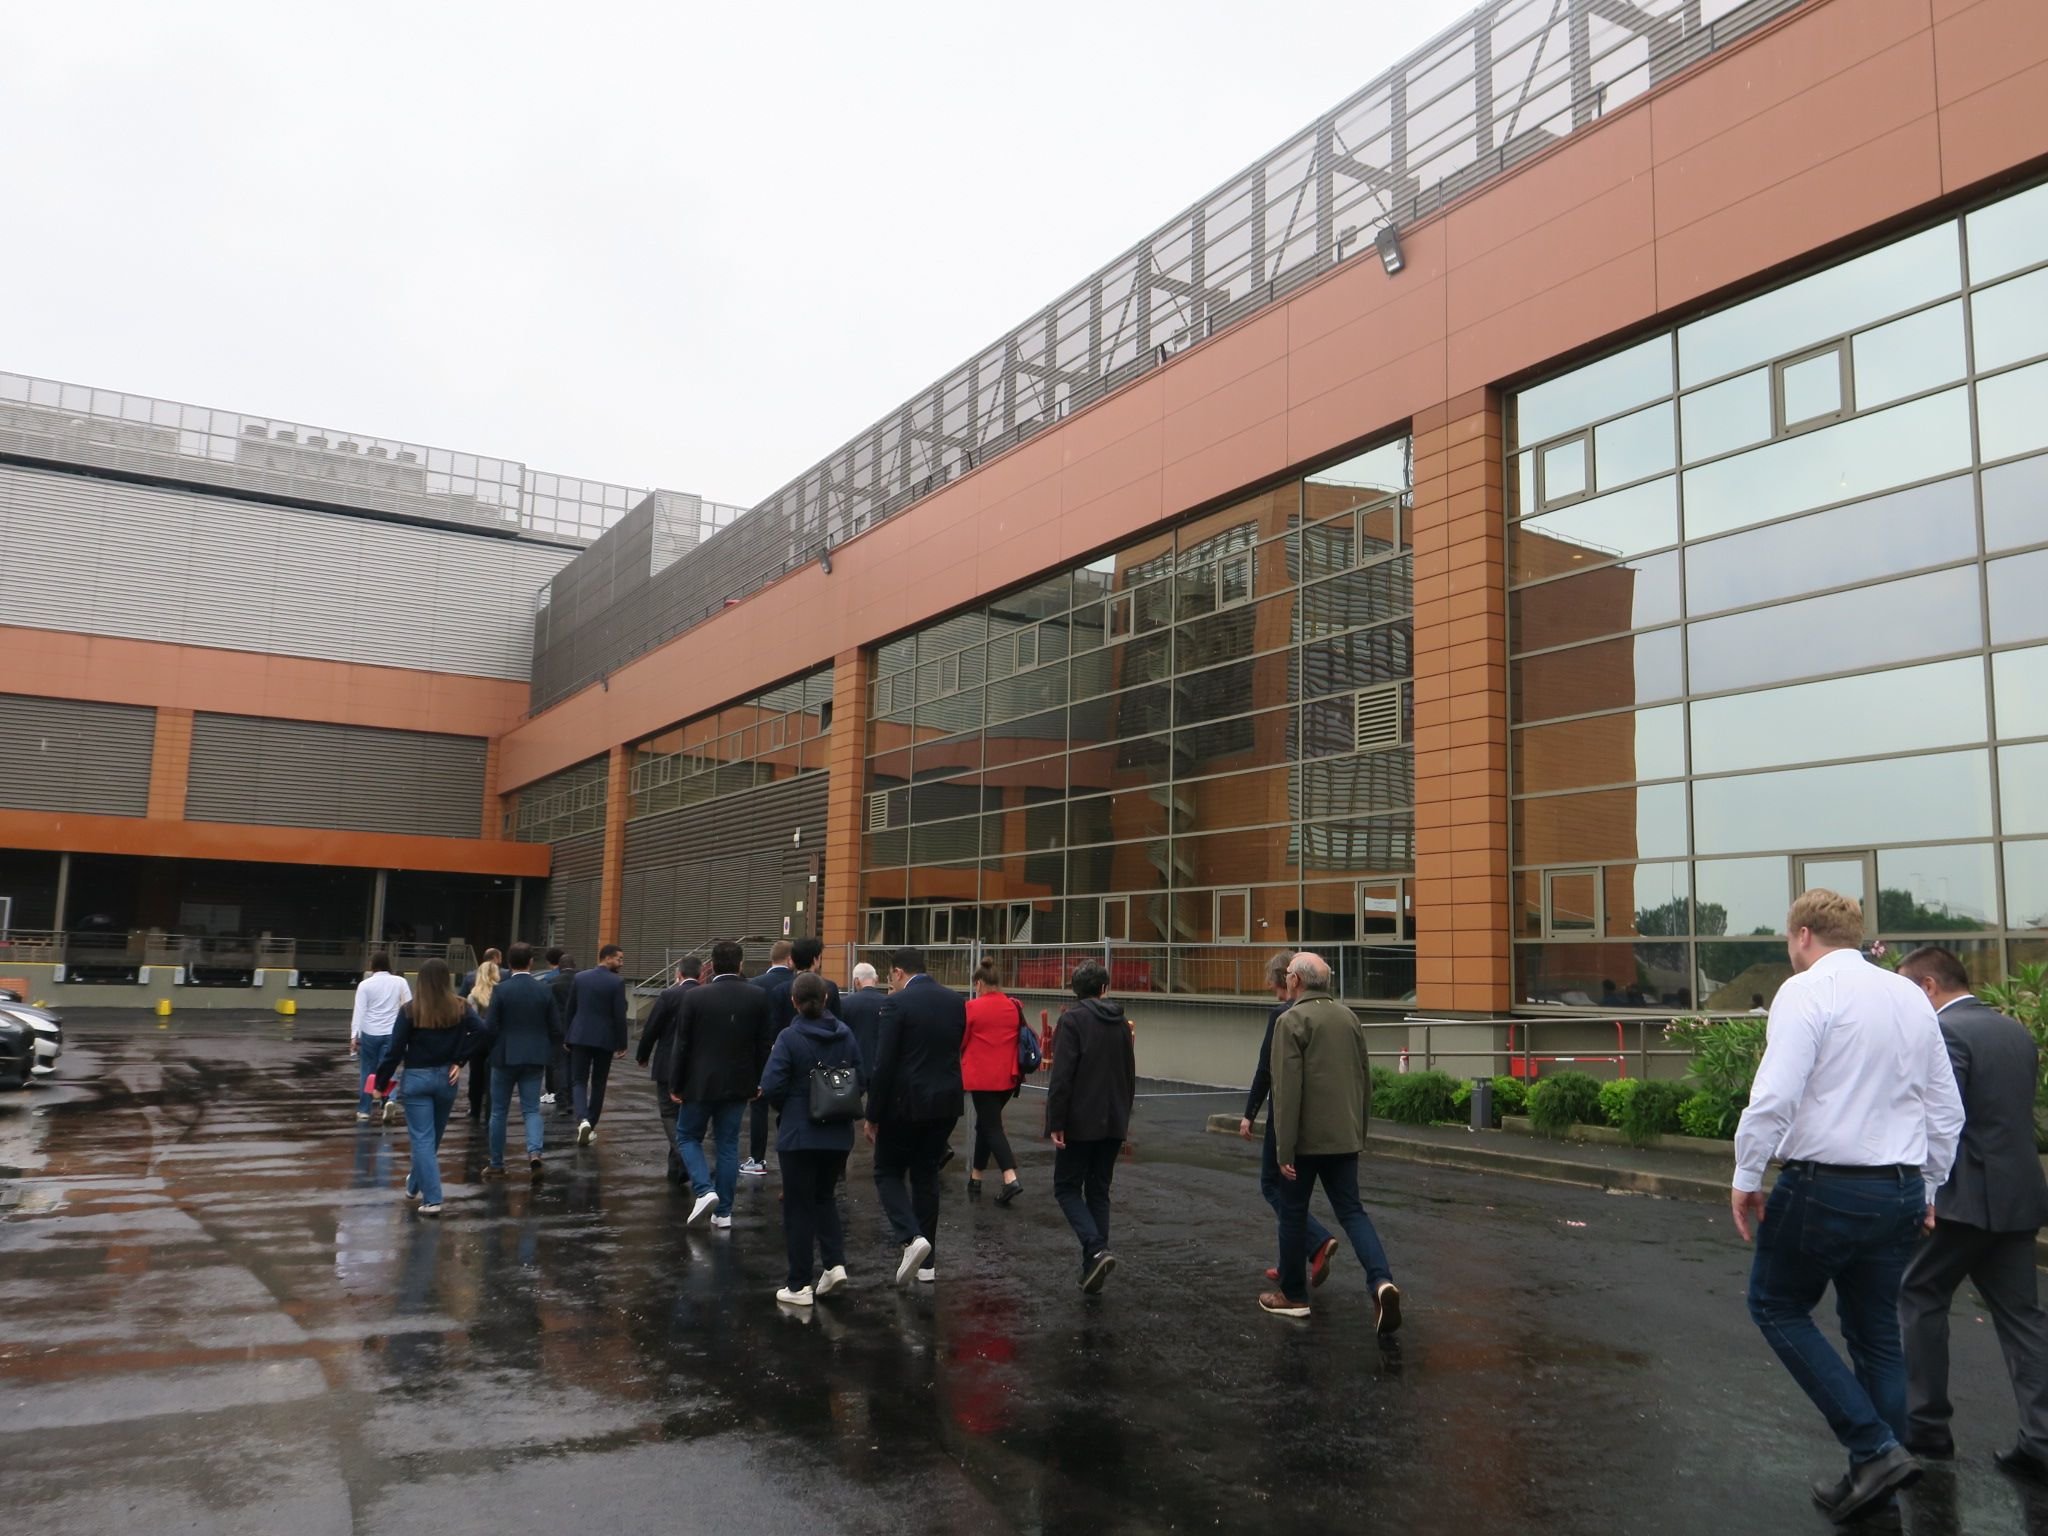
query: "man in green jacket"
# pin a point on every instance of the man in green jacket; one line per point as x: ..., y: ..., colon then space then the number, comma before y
x: 1321, y: 1097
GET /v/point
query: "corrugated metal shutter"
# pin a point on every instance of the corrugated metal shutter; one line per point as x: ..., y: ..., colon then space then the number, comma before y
x: 103, y: 557
x: 719, y: 870
x: 570, y: 912
x: 298, y: 773
x: 71, y: 755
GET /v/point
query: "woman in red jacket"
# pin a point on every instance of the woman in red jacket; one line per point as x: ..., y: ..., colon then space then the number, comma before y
x: 988, y: 1071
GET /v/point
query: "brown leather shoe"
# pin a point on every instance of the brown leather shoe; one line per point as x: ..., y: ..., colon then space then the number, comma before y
x: 1281, y: 1305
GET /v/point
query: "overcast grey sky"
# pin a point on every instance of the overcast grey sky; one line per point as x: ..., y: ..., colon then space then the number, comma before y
x: 675, y: 245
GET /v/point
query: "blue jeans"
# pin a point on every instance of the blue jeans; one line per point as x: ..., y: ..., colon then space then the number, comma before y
x: 1270, y: 1183
x: 723, y: 1120
x: 427, y: 1098
x: 503, y: 1079
x: 1858, y: 1233
x: 370, y: 1050
x: 1338, y: 1172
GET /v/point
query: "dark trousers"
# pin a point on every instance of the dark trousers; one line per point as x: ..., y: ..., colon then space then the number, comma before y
x: 757, y: 1131
x: 479, y: 1082
x: 989, y: 1140
x: 810, y: 1211
x: 915, y: 1148
x: 666, y: 1108
x: 1856, y: 1233
x: 2001, y: 1266
x: 1081, y: 1171
x: 558, y: 1075
x: 1337, y: 1172
x: 590, y: 1068
x: 1270, y: 1185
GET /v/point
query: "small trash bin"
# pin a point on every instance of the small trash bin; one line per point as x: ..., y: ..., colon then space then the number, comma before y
x: 1482, y: 1103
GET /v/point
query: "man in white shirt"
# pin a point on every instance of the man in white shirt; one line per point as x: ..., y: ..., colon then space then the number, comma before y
x: 379, y: 996
x: 1855, y: 1093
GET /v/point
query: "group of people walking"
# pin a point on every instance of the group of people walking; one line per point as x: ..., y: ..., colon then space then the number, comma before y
x: 1902, y: 1110
x: 894, y: 1065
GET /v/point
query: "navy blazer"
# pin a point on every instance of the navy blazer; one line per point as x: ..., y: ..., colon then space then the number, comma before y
x: 861, y: 1011
x: 521, y: 1021
x: 916, y: 1071
x: 658, y: 1032
x: 1996, y: 1184
x: 597, y: 1010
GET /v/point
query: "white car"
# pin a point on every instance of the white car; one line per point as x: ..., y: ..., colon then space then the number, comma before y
x: 34, y: 1039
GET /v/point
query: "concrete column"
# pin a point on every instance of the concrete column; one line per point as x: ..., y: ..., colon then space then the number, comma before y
x: 612, y: 884
x: 377, y: 887
x: 518, y: 899
x: 1464, y: 962
x: 846, y: 771
x: 63, y: 892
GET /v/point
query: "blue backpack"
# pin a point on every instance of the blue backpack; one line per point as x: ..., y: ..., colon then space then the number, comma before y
x: 1030, y: 1057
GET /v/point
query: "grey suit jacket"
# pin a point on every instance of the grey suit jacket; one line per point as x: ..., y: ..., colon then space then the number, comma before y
x: 1997, y: 1183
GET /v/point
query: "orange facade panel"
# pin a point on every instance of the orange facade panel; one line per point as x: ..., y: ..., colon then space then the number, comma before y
x: 69, y: 833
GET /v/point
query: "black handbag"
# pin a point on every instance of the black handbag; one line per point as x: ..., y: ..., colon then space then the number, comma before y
x: 835, y: 1095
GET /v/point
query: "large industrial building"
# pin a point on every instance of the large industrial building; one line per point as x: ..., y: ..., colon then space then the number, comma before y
x: 1583, y: 488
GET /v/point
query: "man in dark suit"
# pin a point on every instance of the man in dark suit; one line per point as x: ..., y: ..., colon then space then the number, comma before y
x: 521, y: 1024
x: 723, y: 1037
x: 597, y: 1036
x: 657, y: 1038
x: 861, y: 1010
x: 1986, y: 1218
x: 559, y: 985
x: 775, y: 982
x: 914, y: 1101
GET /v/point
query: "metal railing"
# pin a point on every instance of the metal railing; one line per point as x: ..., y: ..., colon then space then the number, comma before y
x: 1371, y: 975
x: 1509, y: 81
x: 133, y: 951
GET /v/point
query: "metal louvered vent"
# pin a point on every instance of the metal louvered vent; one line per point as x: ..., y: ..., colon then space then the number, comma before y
x: 1377, y: 722
x: 878, y: 812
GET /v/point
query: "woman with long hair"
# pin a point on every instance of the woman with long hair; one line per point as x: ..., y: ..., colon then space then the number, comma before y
x: 436, y: 1033
x: 488, y: 975
x: 988, y: 1071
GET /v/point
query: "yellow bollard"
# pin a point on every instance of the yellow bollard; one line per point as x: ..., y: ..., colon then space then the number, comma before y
x: 163, y: 1007
x: 287, y: 1006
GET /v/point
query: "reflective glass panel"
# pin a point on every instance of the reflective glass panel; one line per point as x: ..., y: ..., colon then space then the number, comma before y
x: 1349, y: 662
x: 2016, y: 504
x: 2023, y: 789
x: 1564, y: 470
x: 1382, y: 845
x: 2012, y: 412
x: 1605, y: 825
x: 1360, y: 479
x: 1633, y: 446
x: 1865, y: 454
x: 2019, y: 681
x: 1647, y: 900
x: 1726, y: 416
x: 2009, y: 322
x: 2018, y: 585
x: 1605, y: 528
x: 2009, y: 234
x: 1844, y: 717
x: 1845, y: 806
x: 1604, y: 388
x: 1585, y: 974
x: 1115, y: 818
x: 1812, y: 387
x: 1612, y: 674
x: 1898, y: 276
x: 2026, y: 885
x: 1909, y: 355
x: 1741, y: 977
x: 1736, y: 897
x: 1236, y: 800
x: 1574, y: 901
x: 1601, y: 749
x: 1927, y: 525
x: 1606, y: 600
x: 1936, y: 890
x: 1353, y: 786
x: 1863, y: 627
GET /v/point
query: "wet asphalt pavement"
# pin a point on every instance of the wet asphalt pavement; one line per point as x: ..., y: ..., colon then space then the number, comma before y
x: 218, y: 1314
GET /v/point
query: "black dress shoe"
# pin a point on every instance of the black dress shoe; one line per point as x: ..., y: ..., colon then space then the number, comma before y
x: 974, y: 1189
x: 1009, y: 1192
x: 1867, y: 1485
x: 2022, y: 1463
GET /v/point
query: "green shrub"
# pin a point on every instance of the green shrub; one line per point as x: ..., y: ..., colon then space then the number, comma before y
x: 1510, y: 1097
x: 1615, y: 1096
x: 1382, y: 1081
x: 1709, y: 1114
x: 1461, y: 1101
x: 1418, y: 1098
x: 1558, y: 1103
x: 1725, y: 1053
x: 1652, y: 1110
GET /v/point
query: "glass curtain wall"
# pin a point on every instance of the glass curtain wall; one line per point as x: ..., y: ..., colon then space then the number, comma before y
x: 779, y: 734
x: 1775, y: 623
x: 1187, y: 754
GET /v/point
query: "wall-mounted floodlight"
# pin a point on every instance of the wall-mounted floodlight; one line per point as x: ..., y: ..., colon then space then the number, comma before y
x: 825, y: 559
x: 1389, y: 242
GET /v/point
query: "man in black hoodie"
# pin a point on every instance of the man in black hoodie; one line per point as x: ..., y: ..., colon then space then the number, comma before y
x: 1088, y: 1112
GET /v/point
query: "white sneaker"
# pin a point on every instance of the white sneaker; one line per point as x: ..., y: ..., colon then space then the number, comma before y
x: 721, y: 1221
x: 832, y: 1279
x: 430, y: 1210
x: 362, y: 1117
x: 547, y: 1098
x: 927, y: 1275
x: 586, y: 1133
x: 791, y: 1298
x: 392, y: 1113
x: 754, y: 1168
x: 703, y: 1204
x: 915, y: 1252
